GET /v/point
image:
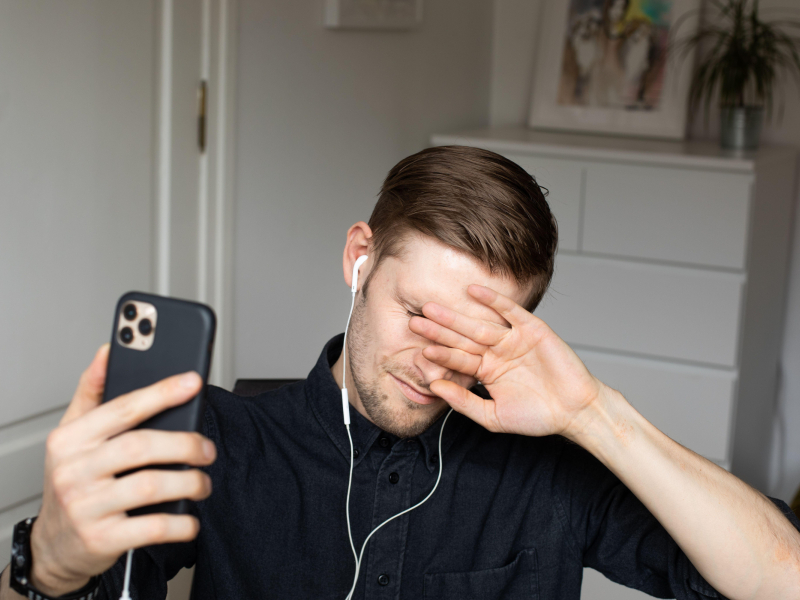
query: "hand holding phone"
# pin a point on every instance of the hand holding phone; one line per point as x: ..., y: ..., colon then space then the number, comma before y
x: 84, y: 526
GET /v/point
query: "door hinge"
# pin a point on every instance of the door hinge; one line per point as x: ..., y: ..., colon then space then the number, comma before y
x: 201, y: 117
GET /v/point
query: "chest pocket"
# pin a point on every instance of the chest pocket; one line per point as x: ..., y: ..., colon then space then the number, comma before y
x: 516, y: 581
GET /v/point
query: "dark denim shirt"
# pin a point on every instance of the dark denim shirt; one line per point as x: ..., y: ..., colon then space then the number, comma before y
x: 513, y: 517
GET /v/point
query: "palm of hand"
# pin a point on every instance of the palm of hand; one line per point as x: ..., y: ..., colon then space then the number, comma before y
x: 538, y: 384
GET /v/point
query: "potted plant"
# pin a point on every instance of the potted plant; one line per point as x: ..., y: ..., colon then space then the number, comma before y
x: 744, y: 60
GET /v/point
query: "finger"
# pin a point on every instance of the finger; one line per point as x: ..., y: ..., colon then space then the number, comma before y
x: 146, y: 530
x: 482, y: 332
x: 90, y: 387
x: 143, y: 488
x: 128, y: 410
x: 443, y: 336
x: 468, y: 404
x: 143, y: 447
x: 504, y: 306
x: 454, y: 359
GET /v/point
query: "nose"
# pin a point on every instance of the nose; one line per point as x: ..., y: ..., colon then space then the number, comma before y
x: 430, y: 370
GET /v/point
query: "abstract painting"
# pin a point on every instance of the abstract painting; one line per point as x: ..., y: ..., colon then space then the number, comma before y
x: 613, y: 72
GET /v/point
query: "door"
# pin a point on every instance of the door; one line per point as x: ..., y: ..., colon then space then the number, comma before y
x: 103, y: 189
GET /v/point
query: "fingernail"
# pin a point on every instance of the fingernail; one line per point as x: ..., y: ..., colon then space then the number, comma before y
x: 189, y: 380
x: 208, y: 449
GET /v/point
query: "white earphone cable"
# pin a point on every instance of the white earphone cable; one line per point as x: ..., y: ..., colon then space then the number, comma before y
x: 346, y: 404
x: 127, y: 583
x: 417, y: 505
x: 346, y: 414
x: 347, y: 505
x: 344, y: 346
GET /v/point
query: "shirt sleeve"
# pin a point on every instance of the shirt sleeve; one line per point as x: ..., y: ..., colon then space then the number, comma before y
x: 620, y: 538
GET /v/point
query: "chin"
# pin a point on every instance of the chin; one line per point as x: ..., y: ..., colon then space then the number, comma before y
x: 399, y: 416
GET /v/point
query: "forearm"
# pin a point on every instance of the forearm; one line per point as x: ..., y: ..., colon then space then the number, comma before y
x: 6, y: 593
x: 735, y: 537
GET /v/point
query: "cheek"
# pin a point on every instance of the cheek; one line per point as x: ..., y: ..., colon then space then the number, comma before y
x: 399, y: 336
x: 391, y: 333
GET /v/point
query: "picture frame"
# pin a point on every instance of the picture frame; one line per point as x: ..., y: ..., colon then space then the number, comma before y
x: 607, y: 66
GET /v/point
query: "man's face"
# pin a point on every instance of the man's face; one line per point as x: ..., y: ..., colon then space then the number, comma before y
x: 385, y: 360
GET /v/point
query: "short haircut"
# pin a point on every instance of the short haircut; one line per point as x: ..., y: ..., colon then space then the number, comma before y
x: 475, y: 201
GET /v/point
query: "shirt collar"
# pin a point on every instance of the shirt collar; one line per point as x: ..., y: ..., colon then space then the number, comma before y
x: 325, y: 398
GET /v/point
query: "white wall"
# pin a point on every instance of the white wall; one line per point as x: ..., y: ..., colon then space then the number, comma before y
x: 514, y: 38
x: 786, y: 462
x: 322, y: 116
x: 514, y: 43
x: 75, y: 187
x: 76, y: 138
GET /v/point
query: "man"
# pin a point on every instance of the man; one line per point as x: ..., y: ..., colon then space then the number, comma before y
x: 555, y: 472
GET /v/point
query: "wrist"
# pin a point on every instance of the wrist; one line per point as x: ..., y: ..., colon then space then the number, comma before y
x: 53, y: 586
x: 606, y: 421
x: 44, y: 577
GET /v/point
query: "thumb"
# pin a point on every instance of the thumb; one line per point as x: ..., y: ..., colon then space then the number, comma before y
x: 468, y: 404
x: 90, y: 387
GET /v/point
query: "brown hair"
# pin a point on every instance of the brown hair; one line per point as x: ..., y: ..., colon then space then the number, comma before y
x: 472, y: 200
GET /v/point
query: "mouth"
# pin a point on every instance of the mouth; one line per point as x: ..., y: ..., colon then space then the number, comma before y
x: 412, y: 394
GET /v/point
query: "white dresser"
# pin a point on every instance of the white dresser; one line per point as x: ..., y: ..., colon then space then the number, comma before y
x: 670, y: 281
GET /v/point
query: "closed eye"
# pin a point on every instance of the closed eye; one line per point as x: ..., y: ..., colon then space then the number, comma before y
x: 413, y: 314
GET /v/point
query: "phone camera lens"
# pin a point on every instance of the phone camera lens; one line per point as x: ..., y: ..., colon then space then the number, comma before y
x: 145, y: 327
x: 129, y: 312
x: 126, y: 334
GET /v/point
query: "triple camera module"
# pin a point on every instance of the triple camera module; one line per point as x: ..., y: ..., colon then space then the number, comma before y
x: 137, y: 323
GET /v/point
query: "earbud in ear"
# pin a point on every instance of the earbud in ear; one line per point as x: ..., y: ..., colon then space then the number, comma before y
x: 360, y: 261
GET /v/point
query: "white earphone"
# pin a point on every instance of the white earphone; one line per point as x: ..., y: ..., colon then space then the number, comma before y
x: 353, y: 288
x: 360, y: 261
x: 346, y: 413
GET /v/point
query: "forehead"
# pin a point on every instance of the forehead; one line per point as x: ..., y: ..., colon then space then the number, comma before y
x: 429, y: 271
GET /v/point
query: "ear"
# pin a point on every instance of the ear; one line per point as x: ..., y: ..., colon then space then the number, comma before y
x: 358, y: 244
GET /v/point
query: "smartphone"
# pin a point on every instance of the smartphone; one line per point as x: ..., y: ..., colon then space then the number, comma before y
x: 155, y: 337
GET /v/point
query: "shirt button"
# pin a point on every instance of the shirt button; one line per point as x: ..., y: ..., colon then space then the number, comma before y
x: 383, y: 579
x: 394, y: 477
x: 355, y: 453
x: 384, y: 442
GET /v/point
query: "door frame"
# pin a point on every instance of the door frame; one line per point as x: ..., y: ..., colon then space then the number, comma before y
x: 210, y: 261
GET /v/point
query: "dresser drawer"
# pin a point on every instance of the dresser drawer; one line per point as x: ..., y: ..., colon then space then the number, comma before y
x: 563, y: 180
x: 655, y: 310
x: 692, y: 405
x: 679, y: 215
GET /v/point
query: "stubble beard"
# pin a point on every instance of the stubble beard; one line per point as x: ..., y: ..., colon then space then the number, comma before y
x: 405, y: 422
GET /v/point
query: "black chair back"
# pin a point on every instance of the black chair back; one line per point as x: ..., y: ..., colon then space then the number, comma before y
x: 254, y: 387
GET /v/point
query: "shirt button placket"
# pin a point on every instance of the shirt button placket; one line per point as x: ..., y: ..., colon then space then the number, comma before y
x: 387, y: 548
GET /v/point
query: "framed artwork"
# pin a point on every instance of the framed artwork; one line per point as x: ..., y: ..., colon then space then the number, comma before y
x: 606, y: 66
